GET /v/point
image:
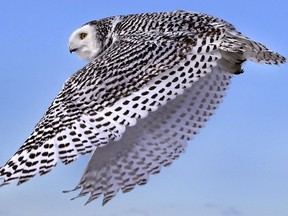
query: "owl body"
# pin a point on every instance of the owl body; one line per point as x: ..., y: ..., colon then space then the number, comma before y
x: 152, y: 82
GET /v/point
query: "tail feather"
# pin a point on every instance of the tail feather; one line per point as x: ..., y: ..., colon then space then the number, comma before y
x: 259, y: 53
x: 237, y: 48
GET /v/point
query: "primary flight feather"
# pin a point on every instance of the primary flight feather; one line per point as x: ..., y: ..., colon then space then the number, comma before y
x: 152, y: 82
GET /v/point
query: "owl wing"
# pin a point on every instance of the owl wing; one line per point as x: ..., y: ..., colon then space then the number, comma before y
x: 155, y: 141
x: 137, y: 74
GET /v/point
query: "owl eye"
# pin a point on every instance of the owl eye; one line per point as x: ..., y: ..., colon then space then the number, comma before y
x: 83, y: 35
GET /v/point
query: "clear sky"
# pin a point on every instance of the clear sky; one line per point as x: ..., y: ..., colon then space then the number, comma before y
x: 237, y: 166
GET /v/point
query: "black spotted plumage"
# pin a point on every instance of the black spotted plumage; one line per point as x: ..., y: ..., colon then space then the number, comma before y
x: 155, y: 80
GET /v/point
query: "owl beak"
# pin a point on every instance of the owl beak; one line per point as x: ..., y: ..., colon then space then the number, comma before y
x: 72, y: 48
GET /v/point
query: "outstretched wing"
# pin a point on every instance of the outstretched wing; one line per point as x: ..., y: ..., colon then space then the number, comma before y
x: 98, y: 102
x: 155, y: 141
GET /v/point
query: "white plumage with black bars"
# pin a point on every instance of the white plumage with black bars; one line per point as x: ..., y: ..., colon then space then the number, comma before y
x: 152, y: 82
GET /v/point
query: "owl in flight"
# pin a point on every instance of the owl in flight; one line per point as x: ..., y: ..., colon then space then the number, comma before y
x: 152, y: 82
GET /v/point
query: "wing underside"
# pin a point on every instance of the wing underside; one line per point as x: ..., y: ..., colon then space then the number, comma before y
x: 155, y: 141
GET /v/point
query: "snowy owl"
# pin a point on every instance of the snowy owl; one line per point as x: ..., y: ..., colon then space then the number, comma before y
x: 152, y: 82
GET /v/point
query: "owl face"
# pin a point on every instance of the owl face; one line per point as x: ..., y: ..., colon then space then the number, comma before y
x: 84, y: 43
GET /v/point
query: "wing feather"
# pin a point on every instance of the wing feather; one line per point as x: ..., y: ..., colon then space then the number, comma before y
x: 98, y: 102
x: 155, y: 141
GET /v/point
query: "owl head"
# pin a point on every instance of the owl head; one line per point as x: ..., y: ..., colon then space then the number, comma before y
x: 84, y: 42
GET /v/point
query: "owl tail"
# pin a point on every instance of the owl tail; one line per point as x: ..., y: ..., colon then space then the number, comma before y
x: 236, y: 49
x: 259, y: 53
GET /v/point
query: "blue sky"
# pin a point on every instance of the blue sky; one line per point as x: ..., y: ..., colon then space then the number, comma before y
x: 237, y: 166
